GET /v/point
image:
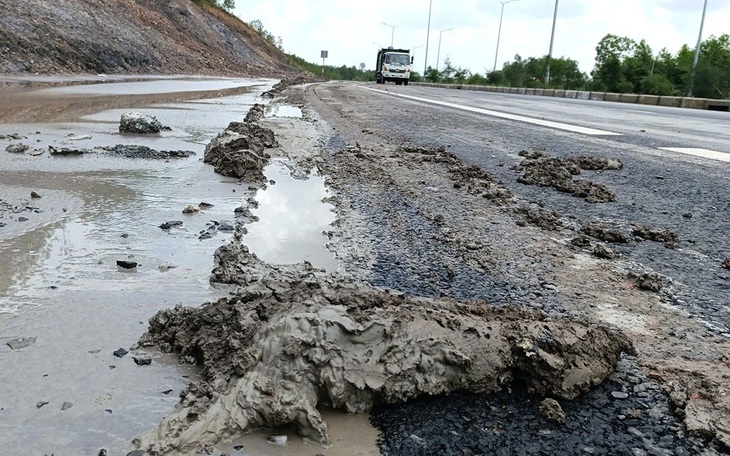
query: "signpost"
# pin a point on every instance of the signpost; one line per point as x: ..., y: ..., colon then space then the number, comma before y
x: 323, y: 54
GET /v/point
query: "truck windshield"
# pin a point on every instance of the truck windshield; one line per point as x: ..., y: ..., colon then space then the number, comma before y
x: 399, y: 59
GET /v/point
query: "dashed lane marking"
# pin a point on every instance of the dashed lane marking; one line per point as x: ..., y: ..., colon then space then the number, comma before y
x: 697, y: 152
x: 503, y: 115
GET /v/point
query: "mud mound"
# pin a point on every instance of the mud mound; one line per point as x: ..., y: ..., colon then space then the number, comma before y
x: 133, y: 151
x: 540, y: 169
x: 726, y: 263
x: 547, y: 220
x: 239, y: 150
x: 655, y: 234
x: 295, y: 337
x: 475, y: 179
x: 302, y: 78
x: 606, y: 233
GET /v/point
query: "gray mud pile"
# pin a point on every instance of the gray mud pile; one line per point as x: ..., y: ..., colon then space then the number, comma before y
x: 304, y: 77
x: 540, y: 169
x: 240, y: 150
x: 295, y: 338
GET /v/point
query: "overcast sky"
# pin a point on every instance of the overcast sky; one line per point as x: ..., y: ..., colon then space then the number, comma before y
x: 352, y: 30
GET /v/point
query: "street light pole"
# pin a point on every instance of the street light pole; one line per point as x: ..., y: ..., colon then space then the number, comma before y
x: 428, y: 33
x: 438, y: 53
x: 552, y: 39
x: 697, y: 52
x: 413, y: 55
x: 499, y: 34
x: 392, y: 32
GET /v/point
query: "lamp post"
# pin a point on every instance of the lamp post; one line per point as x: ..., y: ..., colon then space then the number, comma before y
x: 552, y: 39
x: 392, y: 32
x: 499, y: 33
x: 697, y: 52
x: 428, y: 35
x: 438, y: 53
x: 413, y: 56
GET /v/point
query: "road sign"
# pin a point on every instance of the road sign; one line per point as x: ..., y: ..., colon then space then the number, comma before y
x: 323, y: 54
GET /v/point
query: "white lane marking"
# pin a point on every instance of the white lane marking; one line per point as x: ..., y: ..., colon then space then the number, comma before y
x: 697, y: 152
x: 503, y: 115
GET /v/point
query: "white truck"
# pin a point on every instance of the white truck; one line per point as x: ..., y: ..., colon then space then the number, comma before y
x: 393, y: 65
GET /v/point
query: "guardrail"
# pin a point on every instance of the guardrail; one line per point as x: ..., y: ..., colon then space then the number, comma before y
x: 650, y: 100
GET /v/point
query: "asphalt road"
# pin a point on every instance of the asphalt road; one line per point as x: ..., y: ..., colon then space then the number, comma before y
x: 657, y: 187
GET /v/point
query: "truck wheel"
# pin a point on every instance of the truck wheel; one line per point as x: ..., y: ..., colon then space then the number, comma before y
x: 405, y: 82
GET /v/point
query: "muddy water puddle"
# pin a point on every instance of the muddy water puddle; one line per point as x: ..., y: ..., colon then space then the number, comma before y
x: 60, y: 285
x: 292, y: 218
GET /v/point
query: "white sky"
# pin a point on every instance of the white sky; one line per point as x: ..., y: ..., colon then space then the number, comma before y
x: 352, y: 30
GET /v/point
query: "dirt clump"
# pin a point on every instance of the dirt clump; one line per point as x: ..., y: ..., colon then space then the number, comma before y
x: 239, y: 151
x: 603, y: 251
x: 552, y: 411
x: 655, y: 234
x: 293, y: 338
x: 648, y: 281
x: 726, y: 263
x: 545, y: 171
x: 605, y: 233
x: 474, y: 178
x: 545, y: 219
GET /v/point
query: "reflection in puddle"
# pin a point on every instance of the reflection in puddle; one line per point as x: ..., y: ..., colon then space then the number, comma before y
x: 292, y: 218
x: 283, y: 111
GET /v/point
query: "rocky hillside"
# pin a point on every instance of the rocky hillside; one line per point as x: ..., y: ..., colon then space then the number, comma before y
x: 131, y: 36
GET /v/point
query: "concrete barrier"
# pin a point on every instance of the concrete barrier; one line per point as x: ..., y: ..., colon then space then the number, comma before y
x: 671, y: 102
x: 718, y: 105
x: 651, y: 100
x: 597, y: 96
x: 628, y: 98
x: 694, y: 103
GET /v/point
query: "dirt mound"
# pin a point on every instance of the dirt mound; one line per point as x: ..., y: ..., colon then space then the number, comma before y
x: 304, y: 77
x: 239, y: 150
x: 540, y: 169
x: 605, y: 233
x: 475, y: 179
x: 294, y: 338
x: 129, y: 36
x: 656, y: 234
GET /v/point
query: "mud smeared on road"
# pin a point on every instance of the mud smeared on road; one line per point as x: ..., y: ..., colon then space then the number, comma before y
x: 294, y: 338
x: 543, y: 170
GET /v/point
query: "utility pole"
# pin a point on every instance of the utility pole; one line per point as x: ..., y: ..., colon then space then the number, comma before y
x: 697, y: 53
x: 438, y: 53
x: 428, y: 33
x: 499, y: 33
x: 392, y: 33
x: 552, y: 39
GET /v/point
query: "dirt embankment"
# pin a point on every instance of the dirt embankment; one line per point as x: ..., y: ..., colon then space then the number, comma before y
x: 131, y: 36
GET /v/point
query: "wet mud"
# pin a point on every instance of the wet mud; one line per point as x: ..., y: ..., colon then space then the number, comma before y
x: 545, y: 171
x: 295, y: 338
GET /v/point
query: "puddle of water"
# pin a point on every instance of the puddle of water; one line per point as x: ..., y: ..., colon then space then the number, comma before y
x: 283, y: 111
x: 292, y: 218
x: 152, y: 87
x: 350, y: 435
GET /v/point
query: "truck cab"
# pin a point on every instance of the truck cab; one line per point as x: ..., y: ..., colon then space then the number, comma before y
x: 393, y: 65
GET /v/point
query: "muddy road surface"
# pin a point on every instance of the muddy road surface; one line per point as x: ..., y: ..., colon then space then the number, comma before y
x: 648, y: 260
x: 382, y: 244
